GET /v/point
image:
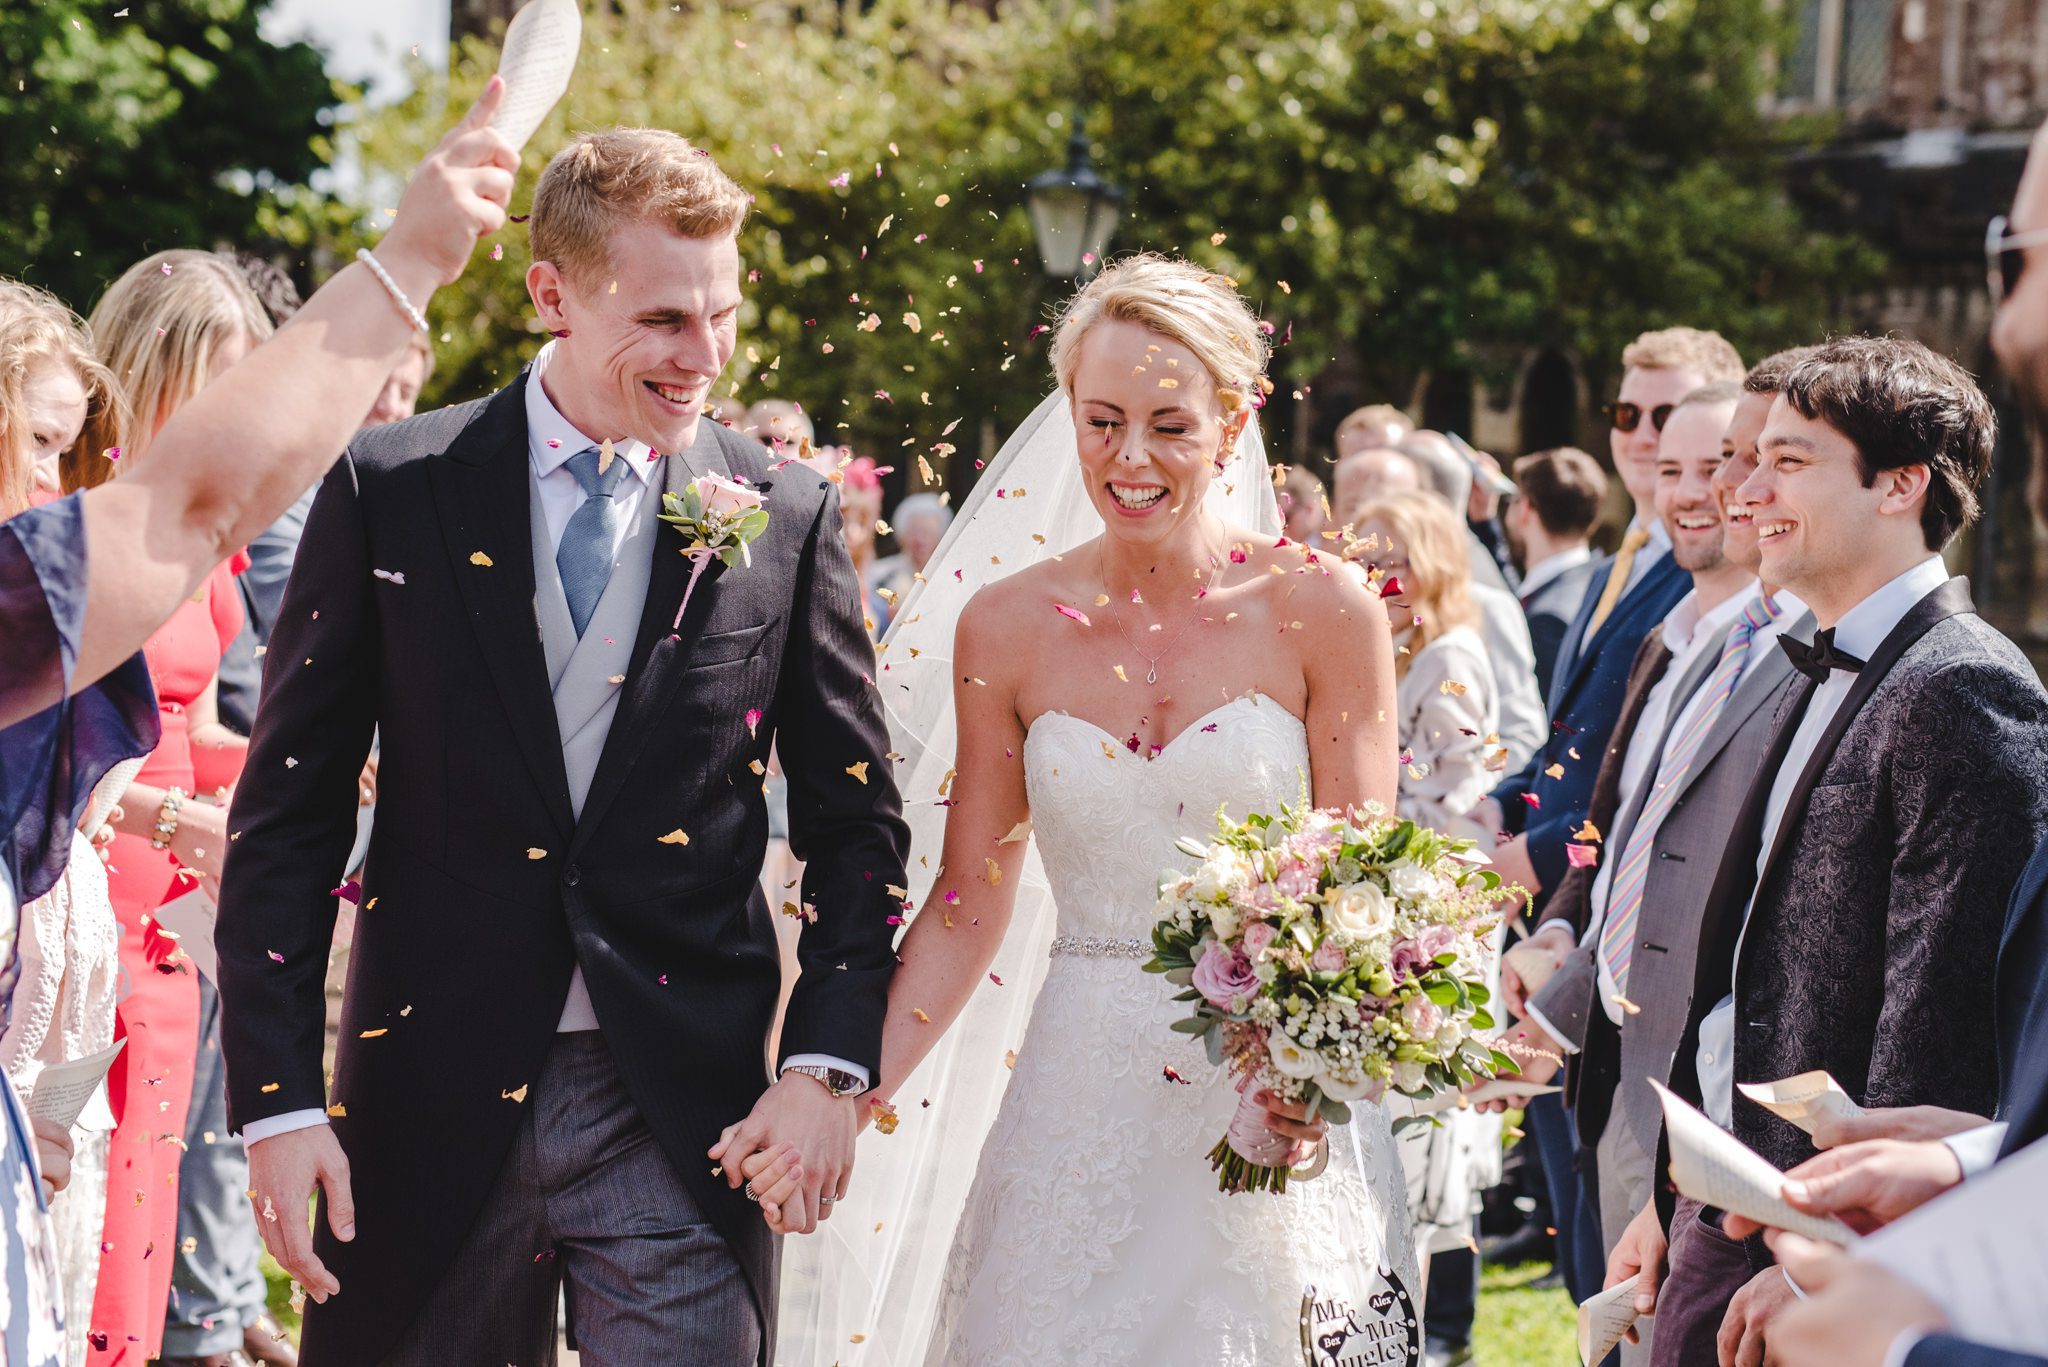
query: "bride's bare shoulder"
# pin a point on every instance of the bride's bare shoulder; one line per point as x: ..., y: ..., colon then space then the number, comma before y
x: 1018, y: 607
x: 1320, y: 586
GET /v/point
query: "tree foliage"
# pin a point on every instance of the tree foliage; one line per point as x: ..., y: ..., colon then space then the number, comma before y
x: 1418, y: 183
x: 170, y: 124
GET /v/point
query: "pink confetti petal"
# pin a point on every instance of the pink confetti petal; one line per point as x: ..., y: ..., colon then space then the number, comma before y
x: 1063, y: 610
x: 1582, y: 856
x: 351, y: 891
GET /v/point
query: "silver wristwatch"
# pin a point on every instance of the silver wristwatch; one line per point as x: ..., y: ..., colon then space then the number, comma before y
x: 837, y: 1081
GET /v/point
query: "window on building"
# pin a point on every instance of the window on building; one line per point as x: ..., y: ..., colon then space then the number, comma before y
x: 1840, y: 53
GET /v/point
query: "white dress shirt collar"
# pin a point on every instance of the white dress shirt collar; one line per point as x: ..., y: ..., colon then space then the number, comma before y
x: 1863, y: 628
x: 1660, y: 540
x: 1685, y: 626
x: 1551, y: 566
x: 552, y: 439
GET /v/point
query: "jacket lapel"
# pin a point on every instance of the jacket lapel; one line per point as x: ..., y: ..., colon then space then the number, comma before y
x: 1762, y: 684
x: 480, y: 490
x: 661, y: 646
x: 1951, y: 599
x: 1623, y: 618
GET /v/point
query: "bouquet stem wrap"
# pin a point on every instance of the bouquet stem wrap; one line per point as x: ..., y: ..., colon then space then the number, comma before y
x: 1251, y: 1156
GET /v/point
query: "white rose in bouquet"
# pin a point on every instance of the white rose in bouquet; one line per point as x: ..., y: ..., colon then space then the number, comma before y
x: 1353, y: 1085
x: 1410, y: 881
x: 1361, y: 910
x: 1288, y: 1057
x: 1410, y: 1077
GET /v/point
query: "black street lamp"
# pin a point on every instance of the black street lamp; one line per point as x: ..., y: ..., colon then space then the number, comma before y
x: 1073, y: 213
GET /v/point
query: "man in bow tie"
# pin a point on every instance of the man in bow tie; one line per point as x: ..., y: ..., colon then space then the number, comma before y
x: 1854, y: 922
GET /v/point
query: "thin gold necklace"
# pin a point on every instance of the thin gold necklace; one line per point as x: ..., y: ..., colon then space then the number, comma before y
x: 1151, y: 661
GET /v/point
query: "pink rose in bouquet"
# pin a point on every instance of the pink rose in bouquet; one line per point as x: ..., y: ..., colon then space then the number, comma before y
x: 1225, y: 976
x: 1258, y: 938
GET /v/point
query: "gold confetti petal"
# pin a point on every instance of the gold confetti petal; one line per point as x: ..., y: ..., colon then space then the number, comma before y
x: 479, y: 558
x: 534, y: 852
x: 676, y: 837
x: 859, y: 771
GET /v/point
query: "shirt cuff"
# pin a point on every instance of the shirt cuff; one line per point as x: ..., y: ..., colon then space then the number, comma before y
x: 1557, y: 1036
x: 273, y: 1125
x: 827, y: 1061
x: 1903, y: 1346
x: 1976, y: 1150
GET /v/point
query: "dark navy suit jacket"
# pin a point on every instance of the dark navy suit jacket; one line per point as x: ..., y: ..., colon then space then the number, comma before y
x: 1585, y: 698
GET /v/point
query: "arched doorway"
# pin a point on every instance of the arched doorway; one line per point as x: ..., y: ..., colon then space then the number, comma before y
x: 1550, y: 403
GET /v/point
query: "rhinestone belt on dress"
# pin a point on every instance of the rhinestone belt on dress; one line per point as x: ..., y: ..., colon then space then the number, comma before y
x: 1101, y: 947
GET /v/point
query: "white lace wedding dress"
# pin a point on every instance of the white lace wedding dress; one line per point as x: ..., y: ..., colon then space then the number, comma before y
x: 1094, y: 1233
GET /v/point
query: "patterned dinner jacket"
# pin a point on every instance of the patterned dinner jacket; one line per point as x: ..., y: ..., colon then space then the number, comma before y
x: 1873, y: 943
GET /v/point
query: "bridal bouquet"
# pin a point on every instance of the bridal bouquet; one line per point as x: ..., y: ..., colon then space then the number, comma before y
x: 1329, y: 957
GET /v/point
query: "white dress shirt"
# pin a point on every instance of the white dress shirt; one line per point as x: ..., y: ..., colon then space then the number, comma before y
x: 1551, y: 566
x: 551, y: 440
x: 1860, y: 632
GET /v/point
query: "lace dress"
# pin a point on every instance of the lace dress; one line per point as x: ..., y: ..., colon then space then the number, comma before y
x: 1094, y: 1233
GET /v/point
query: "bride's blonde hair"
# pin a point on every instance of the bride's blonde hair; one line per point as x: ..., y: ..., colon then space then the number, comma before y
x: 1196, y: 307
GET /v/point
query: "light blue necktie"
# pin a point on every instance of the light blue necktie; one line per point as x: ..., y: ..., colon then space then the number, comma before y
x: 585, y: 556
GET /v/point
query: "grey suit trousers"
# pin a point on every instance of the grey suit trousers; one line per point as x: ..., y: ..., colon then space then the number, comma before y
x: 588, y: 1197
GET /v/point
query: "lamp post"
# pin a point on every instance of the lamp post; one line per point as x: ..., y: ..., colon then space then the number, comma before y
x: 1074, y: 212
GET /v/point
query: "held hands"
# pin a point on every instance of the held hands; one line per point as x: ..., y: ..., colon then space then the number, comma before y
x: 457, y: 195
x: 799, y: 1125
x: 1641, y: 1250
x: 283, y: 1170
x: 1853, y: 1312
x: 1866, y: 1185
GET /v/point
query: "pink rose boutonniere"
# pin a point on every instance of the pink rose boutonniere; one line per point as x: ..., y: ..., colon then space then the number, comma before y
x: 719, y: 518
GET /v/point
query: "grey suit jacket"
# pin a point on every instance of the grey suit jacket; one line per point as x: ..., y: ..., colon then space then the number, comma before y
x: 1617, y: 1061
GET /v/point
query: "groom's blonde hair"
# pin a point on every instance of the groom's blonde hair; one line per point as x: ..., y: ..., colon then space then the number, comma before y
x: 621, y: 175
x: 1196, y: 307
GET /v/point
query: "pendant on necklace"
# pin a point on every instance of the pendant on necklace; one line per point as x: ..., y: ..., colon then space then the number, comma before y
x: 1152, y: 674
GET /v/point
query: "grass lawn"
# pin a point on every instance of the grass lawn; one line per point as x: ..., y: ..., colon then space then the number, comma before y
x: 1520, y: 1326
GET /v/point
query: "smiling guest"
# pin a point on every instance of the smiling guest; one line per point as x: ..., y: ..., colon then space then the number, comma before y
x: 1854, y: 922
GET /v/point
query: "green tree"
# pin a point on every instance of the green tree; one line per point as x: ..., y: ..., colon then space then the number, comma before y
x: 171, y: 123
x: 1420, y: 182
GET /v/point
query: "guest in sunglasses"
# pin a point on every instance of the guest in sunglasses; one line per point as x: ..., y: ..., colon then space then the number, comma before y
x: 1545, y: 804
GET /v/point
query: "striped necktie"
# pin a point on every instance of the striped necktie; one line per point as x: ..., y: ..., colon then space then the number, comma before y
x: 1617, y: 580
x: 1625, y: 896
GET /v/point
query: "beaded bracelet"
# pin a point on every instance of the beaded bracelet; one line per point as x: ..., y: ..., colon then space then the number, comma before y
x: 167, y: 818
x: 419, y: 320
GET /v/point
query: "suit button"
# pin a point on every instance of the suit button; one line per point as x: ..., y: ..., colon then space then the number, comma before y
x: 572, y: 876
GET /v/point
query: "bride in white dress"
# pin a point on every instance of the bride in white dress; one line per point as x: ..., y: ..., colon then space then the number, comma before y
x: 1114, y: 695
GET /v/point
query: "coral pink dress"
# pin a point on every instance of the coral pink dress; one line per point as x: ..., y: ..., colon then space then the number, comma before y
x: 158, y: 1011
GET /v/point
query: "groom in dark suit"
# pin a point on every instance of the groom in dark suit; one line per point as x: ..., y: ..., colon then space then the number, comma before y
x: 564, y: 971
x: 1855, y: 921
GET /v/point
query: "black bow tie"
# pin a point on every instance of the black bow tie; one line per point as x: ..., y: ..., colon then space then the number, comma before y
x: 1816, y: 660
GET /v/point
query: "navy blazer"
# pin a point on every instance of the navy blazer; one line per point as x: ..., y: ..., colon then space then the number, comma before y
x: 1944, y: 1350
x: 1585, y: 698
x: 2020, y: 1001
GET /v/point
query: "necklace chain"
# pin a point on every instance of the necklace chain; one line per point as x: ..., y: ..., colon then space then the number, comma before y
x: 1152, y: 661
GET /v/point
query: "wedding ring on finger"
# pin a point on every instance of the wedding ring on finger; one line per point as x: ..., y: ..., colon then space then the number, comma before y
x: 827, y: 1200
x: 752, y: 1195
